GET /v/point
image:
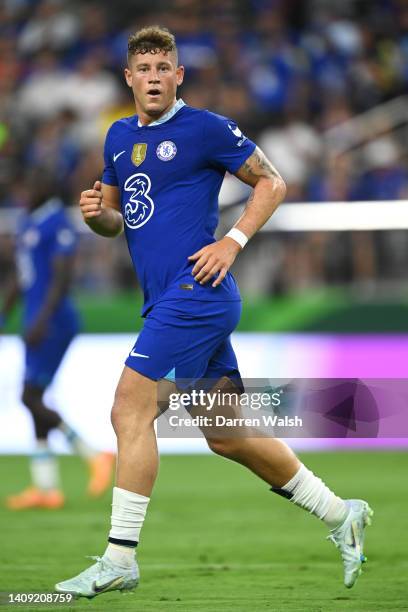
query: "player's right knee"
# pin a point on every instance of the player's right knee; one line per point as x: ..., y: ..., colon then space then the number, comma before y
x: 116, y: 418
x: 130, y: 419
x: 135, y: 405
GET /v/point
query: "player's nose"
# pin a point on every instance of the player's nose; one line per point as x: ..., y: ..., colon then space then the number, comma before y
x: 154, y: 76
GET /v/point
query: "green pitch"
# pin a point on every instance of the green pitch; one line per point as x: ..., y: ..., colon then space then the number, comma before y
x: 216, y: 539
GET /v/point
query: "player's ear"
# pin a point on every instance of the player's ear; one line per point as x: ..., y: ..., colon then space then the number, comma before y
x: 128, y: 77
x: 179, y: 75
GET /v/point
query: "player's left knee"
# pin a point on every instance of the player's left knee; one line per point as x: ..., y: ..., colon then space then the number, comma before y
x: 226, y: 447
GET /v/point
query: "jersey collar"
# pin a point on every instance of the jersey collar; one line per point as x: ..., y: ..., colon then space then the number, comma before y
x: 178, y: 104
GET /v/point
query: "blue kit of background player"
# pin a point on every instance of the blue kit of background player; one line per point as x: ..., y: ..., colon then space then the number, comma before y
x: 45, y: 235
x: 45, y: 251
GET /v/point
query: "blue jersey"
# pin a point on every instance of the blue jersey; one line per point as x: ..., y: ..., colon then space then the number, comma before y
x: 43, y: 235
x: 169, y: 174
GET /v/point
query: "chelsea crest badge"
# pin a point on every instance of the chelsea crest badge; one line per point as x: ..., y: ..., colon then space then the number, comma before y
x: 166, y: 150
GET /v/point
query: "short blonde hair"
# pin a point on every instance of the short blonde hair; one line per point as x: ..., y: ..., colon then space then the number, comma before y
x: 152, y: 39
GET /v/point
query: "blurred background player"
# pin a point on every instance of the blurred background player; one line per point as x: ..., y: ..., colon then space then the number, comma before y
x: 45, y: 253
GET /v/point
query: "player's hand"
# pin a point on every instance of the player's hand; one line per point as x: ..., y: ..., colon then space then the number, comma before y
x: 213, y: 259
x: 91, y: 201
x: 36, y: 333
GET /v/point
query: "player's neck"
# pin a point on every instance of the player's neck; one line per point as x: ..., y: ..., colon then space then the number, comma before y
x: 145, y: 119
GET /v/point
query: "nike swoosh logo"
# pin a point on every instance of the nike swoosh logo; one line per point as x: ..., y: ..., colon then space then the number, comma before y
x: 108, y: 586
x: 117, y: 155
x: 355, y: 539
x: 134, y: 354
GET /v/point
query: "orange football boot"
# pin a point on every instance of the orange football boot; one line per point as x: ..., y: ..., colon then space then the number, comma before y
x: 35, y: 498
x: 101, y: 469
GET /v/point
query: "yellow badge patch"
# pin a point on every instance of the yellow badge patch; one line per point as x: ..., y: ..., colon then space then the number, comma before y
x: 139, y: 153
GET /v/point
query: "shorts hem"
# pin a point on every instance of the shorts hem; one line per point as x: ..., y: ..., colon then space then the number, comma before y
x: 143, y: 371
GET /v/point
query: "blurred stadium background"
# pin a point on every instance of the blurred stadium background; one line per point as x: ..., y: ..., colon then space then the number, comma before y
x: 321, y: 85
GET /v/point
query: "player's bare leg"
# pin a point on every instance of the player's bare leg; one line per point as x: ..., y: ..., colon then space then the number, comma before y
x: 273, y: 461
x: 133, y: 415
x: 269, y: 458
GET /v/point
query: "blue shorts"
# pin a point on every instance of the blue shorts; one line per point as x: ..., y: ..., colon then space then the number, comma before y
x: 44, y: 359
x: 187, y: 340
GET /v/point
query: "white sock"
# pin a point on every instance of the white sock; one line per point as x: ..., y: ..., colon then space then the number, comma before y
x: 79, y: 445
x: 128, y: 514
x: 44, y: 467
x: 124, y: 556
x: 309, y: 492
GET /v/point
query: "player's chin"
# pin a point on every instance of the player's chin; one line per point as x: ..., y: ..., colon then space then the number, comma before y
x: 155, y: 105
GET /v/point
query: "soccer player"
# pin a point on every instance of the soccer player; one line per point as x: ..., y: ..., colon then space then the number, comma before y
x: 163, y: 171
x: 46, y: 246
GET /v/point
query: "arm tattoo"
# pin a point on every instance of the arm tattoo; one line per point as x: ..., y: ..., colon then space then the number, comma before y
x: 263, y: 201
x: 251, y: 197
x: 257, y: 165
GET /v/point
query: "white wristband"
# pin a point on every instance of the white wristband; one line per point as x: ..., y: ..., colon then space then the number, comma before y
x: 238, y: 236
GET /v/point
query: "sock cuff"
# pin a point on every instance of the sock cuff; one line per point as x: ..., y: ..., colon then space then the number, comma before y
x: 282, y: 492
x: 41, y: 450
x: 300, y: 475
x: 309, y: 491
x: 119, y: 542
x: 122, y: 494
x: 41, y: 444
x: 128, y: 514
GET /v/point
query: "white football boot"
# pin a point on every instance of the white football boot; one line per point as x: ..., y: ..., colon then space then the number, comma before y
x: 101, y: 577
x: 349, y: 539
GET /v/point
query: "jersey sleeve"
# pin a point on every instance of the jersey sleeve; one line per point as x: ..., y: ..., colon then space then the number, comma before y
x: 225, y: 145
x: 109, y: 174
x: 65, y: 237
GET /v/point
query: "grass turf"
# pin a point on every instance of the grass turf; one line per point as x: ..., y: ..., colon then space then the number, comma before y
x: 216, y: 539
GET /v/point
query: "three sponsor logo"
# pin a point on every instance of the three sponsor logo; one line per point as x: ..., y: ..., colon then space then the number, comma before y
x: 140, y: 206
